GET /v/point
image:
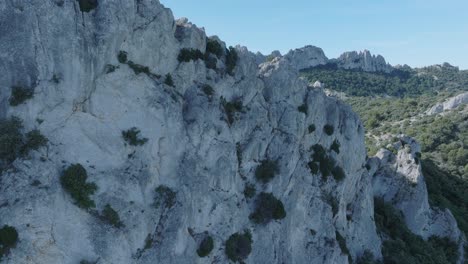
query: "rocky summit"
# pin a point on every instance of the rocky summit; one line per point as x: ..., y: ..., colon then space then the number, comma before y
x: 136, y: 138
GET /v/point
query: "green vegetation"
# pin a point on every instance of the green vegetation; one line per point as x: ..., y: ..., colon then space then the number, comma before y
x: 205, y: 247
x: 328, y: 129
x: 132, y: 138
x: 313, y: 166
x: 11, y: 140
x: 110, y: 216
x: 326, y: 164
x: 187, y: 55
x: 399, y: 83
x: 333, y: 202
x: 302, y: 108
x: 87, y: 5
x: 14, y: 144
x: 209, y: 91
x: 342, y: 243
x: 266, y: 170
x: 402, y: 246
x: 165, y: 197
x: 311, y: 128
x: 338, y: 173
x: 249, y: 190
x: 231, y: 108
x: 231, y: 60
x: 33, y: 141
x: 239, y: 246
x: 335, y: 146
x: 213, y: 47
x: 122, y: 57
x: 8, y: 239
x: 168, y: 80
x: 267, y: 208
x: 447, y: 191
x: 367, y: 258
x: 20, y: 94
x: 73, y: 180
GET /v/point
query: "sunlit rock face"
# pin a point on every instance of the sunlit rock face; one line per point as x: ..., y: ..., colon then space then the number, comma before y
x: 197, y: 144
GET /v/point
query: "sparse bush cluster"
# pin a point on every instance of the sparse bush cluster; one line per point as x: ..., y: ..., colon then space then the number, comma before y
x: 208, y: 91
x: 131, y: 137
x: 328, y: 129
x: 239, y: 246
x: 311, y: 128
x: 168, y: 80
x: 342, y: 243
x: 122, y: 57
x: 20, y: 94
x: 8, y: 239
x: 266, y: 171
x: 74, y: 181
x: 325, y: 163
x: 87, y: 5
x: 165, y: 197
x: 14, y: 144
x: 267, y: 208
x: 212, y: 47
x: 249, y: 190
x: 402, y: 246
x: 336, y: 146
x: 205, y: 247
x: 231, y: 108
x: 302, y: 108
x: 110, y: 216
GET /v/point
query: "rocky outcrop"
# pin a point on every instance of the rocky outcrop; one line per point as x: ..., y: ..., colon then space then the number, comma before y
x: 364, y: 61
x: 449, y: 104
x: 306, y: 57
x: 209, y: 122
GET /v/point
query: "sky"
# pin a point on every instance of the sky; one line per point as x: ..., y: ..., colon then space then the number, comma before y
x: 413, y: 32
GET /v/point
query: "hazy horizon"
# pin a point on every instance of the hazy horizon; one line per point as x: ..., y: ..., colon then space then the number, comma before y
x: 414, y: 32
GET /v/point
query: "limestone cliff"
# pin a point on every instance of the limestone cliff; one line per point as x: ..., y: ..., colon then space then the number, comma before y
x: 209, y: 117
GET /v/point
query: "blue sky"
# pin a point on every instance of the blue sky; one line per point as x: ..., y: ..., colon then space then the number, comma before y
x: 415, y: 32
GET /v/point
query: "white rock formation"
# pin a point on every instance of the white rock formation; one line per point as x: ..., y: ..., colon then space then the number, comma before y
x: 363, y: 60
x: 449, y: 104
x: 191, y: 146
x: 306, y: 57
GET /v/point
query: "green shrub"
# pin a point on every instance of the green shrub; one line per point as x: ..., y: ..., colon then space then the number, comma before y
x: 213, y: 47
x: 110, y: 216
x: 342, y: 243
x: 132, y: 138
x: 187, y: 55
x: 239, y: 246
x: 336, y: 146
x: 19, y: 95
x: 249, y: 190
x: 367, y: 258
x: 11, y: 139
x: 122, y: 57
x: 33, y: 141
x: 267, y: 207
x: 165, y: 197
x: 8, y: 239
x: 87, y: 5
x: 208, y: 90
x: 302, y: 108
x: 205, y: 247
x: 231, y: 108
x: 333, y: 202
x: 266, y: 170
x: 168, y: 81
x: 402, y: 246
x: 73, y: 180
x: 137, y: 68
x: 311, y: 128
x: 231, y: 60
x: 338, y: 173
x: 314, y: 167
x: 328, y: 129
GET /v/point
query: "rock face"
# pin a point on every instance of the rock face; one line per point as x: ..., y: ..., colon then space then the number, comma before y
x: 363, y: 61
x: 207, y: 132
x: 449, y: 104
x: 306, y: 57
